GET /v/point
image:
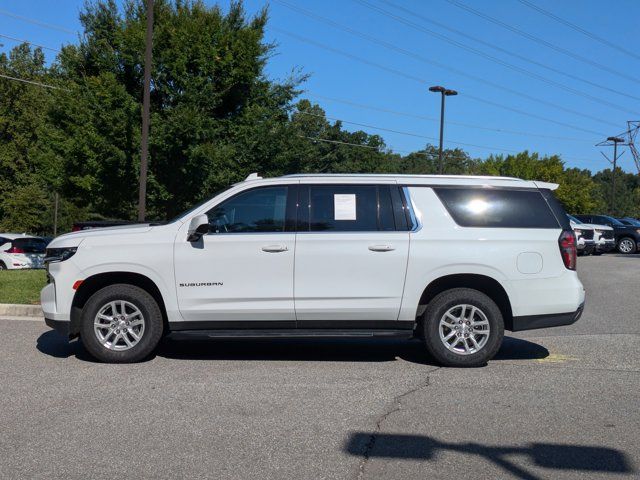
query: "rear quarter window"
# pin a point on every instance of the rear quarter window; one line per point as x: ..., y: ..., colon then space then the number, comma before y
x: 497, y: 208
x: 30, y: 245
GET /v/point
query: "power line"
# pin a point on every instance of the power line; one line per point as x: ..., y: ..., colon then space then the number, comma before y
x: 461, y: 72
x: 422, y: 81
x: 36, y: 22
x: 449, y: 122
x: 508, y: 52
x: 493, y: 59
x: 31, y: 82
x: 28, y: 42
x: 577, y: 28
x: 392, y: 151
x: 405, y: 152
x: 541, y: 41
x: 409, y: 134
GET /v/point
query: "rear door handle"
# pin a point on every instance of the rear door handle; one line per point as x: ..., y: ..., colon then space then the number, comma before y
x: 381, y: 248
x: 274, y: 248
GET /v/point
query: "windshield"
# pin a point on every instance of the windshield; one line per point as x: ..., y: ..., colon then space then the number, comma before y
x: 615, y: 221
x: 573, y: 219
x: 632, y: 221
x: 30, y: 245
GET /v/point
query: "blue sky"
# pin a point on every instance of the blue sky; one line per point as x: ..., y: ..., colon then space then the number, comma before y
x: 409, y: 60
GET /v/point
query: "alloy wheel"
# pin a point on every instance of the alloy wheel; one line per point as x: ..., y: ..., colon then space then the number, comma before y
x: 464, y: 329
x: 119, y: 325
x: 626, y: 246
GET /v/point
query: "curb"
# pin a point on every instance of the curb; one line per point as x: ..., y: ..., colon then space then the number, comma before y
x: 16, y: 310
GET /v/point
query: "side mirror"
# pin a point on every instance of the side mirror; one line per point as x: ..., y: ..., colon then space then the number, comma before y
x: 198, y: 227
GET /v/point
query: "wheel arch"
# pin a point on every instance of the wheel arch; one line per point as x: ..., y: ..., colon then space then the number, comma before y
x: 483, y: 283
x: 92, y: 284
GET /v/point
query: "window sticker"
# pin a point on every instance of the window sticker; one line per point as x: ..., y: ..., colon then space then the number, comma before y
x: 344, y: 206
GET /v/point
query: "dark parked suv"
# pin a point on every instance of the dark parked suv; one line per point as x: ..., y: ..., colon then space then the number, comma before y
x: 627, y: 236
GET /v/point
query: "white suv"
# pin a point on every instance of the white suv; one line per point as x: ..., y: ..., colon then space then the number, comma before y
x: 452, y: 260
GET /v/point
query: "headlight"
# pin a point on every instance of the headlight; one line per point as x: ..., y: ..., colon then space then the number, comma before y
x: 59, y: 254
x: 638, y: 230
x: 578, y: 232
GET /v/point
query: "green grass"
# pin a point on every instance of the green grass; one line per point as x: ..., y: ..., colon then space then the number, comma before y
x: 21, y: 286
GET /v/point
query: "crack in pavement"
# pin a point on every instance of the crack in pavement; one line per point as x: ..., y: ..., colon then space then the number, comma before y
x: 394, y: 406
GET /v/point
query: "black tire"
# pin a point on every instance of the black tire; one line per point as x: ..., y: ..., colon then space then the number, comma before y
x: 631, y: 245
x: 153, y: 323
x: 437, y: 309
x: 3, y: 266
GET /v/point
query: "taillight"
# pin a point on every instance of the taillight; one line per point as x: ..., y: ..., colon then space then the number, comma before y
x: 568, y: 250
x: 75, y: 228
x: 15, y: 250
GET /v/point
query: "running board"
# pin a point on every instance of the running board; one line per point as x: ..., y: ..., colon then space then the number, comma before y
x: 295, y: 333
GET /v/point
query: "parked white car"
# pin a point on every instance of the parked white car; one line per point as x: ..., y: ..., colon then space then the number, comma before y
x: 20, y: 251
x: 603, y: 236
x: 452, y: 260
x: 584, y: 235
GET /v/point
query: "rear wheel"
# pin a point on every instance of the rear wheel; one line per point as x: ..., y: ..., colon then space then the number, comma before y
x: 121, y: 324
x: 2, y: 266
x: 462, y: 327
x: 627, y: 245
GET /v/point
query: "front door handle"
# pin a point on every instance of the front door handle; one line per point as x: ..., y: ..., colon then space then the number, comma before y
x: 381, y: 248
x: 274, y: 248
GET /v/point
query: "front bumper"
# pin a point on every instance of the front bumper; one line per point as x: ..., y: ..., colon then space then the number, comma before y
x: 588, y: 248
x: 532, y: 322
x: 606, y: 246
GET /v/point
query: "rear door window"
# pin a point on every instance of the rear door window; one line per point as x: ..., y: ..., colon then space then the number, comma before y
x: 497, y: 208
x: 346, y: 208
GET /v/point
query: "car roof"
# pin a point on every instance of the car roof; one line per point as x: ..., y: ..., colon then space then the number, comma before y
x: 13, y: 236
x: 405, y: 179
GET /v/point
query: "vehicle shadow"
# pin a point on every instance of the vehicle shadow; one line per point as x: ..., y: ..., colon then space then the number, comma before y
x: 55, y: 345
x: 323, y: 349
x: 546, y: 455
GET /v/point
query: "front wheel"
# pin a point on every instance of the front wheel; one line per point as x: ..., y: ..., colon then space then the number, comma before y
x: 627, y: 245
x: 121, y: 323
x: 462, y: 327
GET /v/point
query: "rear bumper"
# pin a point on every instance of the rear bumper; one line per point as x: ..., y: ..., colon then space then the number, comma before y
x: 60, y: 326
x: 532, y: 322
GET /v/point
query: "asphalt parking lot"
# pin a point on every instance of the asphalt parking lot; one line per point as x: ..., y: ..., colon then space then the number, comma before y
x: 558, y: 403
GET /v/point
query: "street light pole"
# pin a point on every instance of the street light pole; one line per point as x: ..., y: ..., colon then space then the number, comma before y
x: 444, y: 93
x: 144, y: 149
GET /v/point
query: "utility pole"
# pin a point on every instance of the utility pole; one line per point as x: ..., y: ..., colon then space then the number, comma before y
x: 612, y: 141
x: 632, y: 133
x: 444, y: 93
x: 144, y: 150
x: 55, y: 214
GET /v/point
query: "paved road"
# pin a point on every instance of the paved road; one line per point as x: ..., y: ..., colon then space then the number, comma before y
x: 559, y: 403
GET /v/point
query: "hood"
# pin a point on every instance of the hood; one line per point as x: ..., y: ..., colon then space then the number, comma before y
x: 74, y: 239
x: 599, y: 227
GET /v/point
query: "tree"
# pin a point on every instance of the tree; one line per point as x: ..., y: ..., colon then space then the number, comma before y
x: 215, y: 115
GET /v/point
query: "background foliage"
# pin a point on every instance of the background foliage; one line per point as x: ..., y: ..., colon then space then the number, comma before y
x: 216, y: 117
